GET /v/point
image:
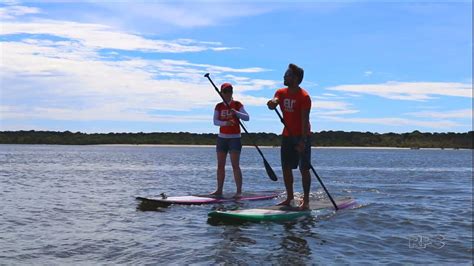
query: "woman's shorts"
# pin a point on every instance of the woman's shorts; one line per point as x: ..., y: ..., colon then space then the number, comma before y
x: 228, y: 145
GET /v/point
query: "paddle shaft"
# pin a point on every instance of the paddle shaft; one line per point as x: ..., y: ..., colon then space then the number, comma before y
x: 311, y: 166
x: 270, y: 171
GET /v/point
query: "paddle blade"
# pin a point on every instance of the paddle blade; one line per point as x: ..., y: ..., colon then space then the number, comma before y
x: 269, y: 170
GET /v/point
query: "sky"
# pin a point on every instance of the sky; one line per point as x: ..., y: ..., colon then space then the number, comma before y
x: 123, y: 66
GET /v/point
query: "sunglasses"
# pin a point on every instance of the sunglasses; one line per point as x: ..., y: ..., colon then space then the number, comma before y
x: 227, y: 91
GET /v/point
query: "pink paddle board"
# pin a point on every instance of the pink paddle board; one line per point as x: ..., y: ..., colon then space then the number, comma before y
x: 207, y: 199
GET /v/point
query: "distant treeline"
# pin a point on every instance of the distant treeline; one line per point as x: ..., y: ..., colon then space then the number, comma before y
x: 414, y: 139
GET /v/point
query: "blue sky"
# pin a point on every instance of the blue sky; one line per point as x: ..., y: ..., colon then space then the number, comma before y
x: 118, y: 66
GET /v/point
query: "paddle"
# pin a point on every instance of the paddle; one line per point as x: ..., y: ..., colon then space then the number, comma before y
x: 268, y: 168
x: 311, y: 166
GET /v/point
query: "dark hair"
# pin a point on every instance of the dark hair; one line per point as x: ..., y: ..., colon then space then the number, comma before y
x: 297, y: 71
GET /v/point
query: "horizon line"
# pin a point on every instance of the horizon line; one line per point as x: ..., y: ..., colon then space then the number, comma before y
x: 214, y: 133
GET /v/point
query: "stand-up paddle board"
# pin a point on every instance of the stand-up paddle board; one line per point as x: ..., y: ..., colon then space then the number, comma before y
x: 165, y: 201
x: 279, y: 213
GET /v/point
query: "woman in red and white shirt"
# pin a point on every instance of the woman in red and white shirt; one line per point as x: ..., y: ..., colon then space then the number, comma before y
x: 228, y: 140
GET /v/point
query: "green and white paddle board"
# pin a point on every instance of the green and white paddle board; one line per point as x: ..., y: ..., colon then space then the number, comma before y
x: 279, y: 213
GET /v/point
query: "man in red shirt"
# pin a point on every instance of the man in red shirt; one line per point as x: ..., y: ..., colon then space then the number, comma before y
x: 295, y: 104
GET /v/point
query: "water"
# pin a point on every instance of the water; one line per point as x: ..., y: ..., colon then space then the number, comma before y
x: 76, y: 204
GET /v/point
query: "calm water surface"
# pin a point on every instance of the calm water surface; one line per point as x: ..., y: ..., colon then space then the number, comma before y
x: 76, y: 204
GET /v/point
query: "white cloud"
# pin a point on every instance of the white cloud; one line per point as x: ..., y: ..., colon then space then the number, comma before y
x: 397, y: 122
x: 187, y: 14
x: 97, y: 36
x: 249, y: 100
x: 13, y: 10
x: 462, y: 113
x: 211, y: 68
x: 67, y: 80
x: 318, y: 104
x: 413, y: 91
x: 108, y: 112
x: 335, y: 112
x: 330, y: 95
x: 329, y: 108
x: 242, y: 84
x: 63, y: 77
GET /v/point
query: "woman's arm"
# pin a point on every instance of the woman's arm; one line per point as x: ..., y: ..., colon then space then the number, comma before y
x: 218, y: 122
x: 242, y: 114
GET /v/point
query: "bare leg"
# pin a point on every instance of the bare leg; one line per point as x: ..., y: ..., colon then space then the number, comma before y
x: 306, y: 178
x: 221, y: 158
x: 235, y: 159
x: 288, y: 177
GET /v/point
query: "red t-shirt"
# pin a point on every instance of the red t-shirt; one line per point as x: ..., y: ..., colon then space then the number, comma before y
x: 291, y: 104
x: 225, y: 114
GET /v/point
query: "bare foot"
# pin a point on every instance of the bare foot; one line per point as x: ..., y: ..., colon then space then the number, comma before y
x: 285, y: 202
x: 237, y: 195
x: 216, y: 193
x: 304, y: 206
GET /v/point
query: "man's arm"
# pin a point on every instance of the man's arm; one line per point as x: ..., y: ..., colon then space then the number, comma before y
x: 305, y: 121
x: 306, y: 108
x: 304, y: 128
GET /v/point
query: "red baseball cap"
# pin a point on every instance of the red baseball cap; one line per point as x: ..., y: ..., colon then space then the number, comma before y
x: 226, y: 86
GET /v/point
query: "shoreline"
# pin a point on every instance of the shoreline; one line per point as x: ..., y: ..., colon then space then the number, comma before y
x: 325, y: 139
x: 274, y: 147
x: 244, y: 146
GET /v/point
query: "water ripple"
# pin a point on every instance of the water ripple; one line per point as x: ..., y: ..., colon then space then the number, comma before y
x: 75, y: 205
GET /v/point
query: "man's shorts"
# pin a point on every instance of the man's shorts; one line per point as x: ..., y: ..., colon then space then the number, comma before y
x: 228, y: 145
x: 290, y: 157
